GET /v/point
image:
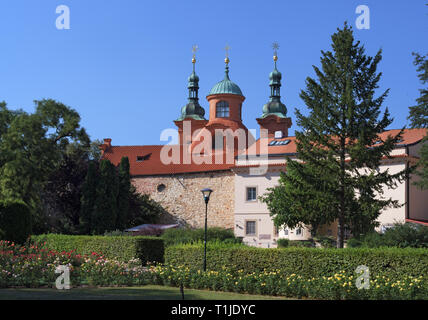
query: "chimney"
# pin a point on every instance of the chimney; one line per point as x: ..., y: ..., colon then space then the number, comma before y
x: 105, y: 146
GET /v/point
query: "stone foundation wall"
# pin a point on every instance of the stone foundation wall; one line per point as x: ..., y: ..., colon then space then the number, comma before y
x: 181, y: 197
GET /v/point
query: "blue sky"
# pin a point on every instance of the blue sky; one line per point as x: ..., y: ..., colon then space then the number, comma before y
x: 123, y: 65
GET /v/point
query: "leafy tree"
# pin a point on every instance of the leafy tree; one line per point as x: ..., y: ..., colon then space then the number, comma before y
x: 31, y: 148
x: 62, y: 192
x: 123, y: 194
x: 419, y: 118
x: 336, y: 175
x: 105, y: 208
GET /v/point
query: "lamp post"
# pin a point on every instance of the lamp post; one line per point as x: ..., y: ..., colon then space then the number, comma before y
x: 206, y: 193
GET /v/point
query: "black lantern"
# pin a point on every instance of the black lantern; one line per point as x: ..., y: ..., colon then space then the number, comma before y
x: 206, y: 193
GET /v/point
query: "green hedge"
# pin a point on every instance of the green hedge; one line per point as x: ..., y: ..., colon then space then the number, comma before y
x: 187, y: 235
x: 307, y: 262
x: 123, y: 248
x: 15, y: 221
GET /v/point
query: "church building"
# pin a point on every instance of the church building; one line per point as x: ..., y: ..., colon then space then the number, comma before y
x: 217, y: 151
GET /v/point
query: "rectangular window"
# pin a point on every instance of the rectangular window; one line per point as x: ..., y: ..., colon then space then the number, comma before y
x: 250, y: 228
x: 222, y: 109
x: 298, y: 231
x: 251, y: 194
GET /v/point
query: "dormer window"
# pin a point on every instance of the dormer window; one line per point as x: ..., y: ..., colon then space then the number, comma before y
x: 279, y: 142
x: 222, y: 109
x: 143, y: 158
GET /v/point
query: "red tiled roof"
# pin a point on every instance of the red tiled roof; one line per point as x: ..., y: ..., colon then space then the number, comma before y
x: 152, y: 165
x: 410, y: 136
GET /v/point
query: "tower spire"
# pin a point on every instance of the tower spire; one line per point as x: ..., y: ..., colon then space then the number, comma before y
x: 275, y: 76
x: 193, y: 108
x: 275, y: 106
x: 275, y: 47
x: 226, y: 61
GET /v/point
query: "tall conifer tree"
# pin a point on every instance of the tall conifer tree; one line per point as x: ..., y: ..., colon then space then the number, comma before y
x: 336, y: 176
x: 419, y: 118
x: 105, y: 210
x: 123, y: 194
x: 89, y: 194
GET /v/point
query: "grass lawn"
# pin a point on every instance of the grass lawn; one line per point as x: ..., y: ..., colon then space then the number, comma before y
x: 150, y: 292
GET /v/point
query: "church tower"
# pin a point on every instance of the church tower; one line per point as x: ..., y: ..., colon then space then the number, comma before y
x: 274, y: 118
x: 192, y: 113
x: 225, y: 115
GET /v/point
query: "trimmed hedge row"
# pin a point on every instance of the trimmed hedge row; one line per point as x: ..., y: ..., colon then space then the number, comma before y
x: 122, y: 248
x: 307, y: 262
x: 187, y: 235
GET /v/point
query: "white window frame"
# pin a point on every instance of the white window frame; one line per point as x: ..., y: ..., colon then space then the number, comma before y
x: 246, y: 193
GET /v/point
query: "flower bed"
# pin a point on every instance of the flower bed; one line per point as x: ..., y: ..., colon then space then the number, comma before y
x: 277, y: 283
x: 34, y: 266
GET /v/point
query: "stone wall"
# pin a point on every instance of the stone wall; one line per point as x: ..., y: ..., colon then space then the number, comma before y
x: 181, y: 197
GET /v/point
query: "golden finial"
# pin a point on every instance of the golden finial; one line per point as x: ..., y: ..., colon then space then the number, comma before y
x: 194, y: 49
x: 275, y: 47
x: 227, y: 48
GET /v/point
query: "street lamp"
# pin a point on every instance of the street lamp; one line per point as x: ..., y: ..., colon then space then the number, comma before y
x: 206, y: 193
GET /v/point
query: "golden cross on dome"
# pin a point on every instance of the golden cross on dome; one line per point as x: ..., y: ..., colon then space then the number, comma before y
x: 227, y: 48
x: 194, y: 49
x: 275, y: 47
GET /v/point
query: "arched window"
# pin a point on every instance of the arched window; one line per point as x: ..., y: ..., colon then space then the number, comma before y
x: 222, y: 109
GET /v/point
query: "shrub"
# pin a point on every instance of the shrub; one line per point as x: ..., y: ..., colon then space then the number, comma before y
x: 325, y: 241
x: 301, y: 243
x: 282, y: 243
x: 400, y: 235
x: 353, y: 243
x: 308, y: 262
x: 187, y: 235
x: 15, y: 221
x: 406, y: 235
x: 122, y: 248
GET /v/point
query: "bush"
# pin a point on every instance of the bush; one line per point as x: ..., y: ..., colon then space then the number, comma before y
x: 325, y: 241
x: 301, y: 243
x: 15, y: 221
x: 282, y: 243
x: 122, y: 248
x: 400, y: 235
x: 187, y: 235
x: 353, y: 243
x: 307, y: 262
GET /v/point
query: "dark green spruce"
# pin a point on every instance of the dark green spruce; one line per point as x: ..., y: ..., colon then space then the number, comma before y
x: 105, y: 209
x: 123, y: 194
x: 335, y: 177
x: 419, y: 118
